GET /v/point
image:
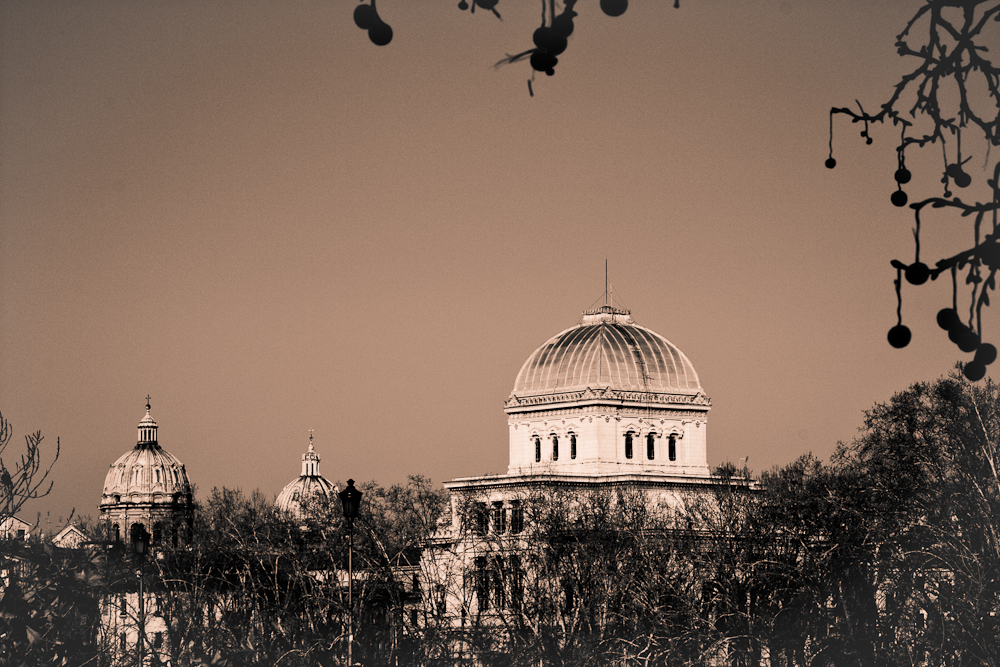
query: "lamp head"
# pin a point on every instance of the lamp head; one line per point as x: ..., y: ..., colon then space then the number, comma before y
x: 351, y: 499
x: 140, y: 539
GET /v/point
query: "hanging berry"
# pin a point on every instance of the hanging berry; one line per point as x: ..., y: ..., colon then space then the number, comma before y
x: 899, y: 336
x: 917, y: 273
x: 614, y: 7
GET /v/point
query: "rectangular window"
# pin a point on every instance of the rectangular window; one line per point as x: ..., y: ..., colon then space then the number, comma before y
x: 499, y: 518
x: 442, y: 603
x: 482, y: 584
x: 572, y: 446
x: 479, y: 518
x: 516, y: 516
x: 496, y: 575
x: 516, y: 577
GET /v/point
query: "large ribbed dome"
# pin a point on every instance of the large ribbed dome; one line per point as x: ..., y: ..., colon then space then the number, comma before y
x: 607, y: 349
x: 147, y: 473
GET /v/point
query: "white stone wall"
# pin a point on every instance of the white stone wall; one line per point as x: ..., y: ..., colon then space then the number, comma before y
x: 600, y: 433
x: 120, y: 621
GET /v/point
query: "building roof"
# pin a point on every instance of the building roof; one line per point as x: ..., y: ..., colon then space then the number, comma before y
x: 607, y: 349
x: 69, y: 537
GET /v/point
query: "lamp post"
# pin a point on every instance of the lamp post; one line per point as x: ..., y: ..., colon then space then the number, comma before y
x: 351, y: 499
x: 140, y: 545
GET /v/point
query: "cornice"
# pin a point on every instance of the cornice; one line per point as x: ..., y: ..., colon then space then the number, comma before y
x: 607, y: 395
x: 606, y: 411
x: 638, y: 479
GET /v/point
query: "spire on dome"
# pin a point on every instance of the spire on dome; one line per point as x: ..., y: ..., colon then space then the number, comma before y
x: 310, y: 460
x: 147, y: 429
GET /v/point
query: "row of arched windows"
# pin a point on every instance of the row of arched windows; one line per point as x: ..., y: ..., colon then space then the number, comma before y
x: 555, y: 446
x: 651, y: 446
x: 161, y: 535
x: 497, y: 518
x: 629, y: 446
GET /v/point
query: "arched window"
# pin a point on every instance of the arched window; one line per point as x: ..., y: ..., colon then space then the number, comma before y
x: 118, y: 533
x: 538, y: 448
x: 651, y: 446
x: 157, y: 532
x: 628, y: 445
x: 555, y: 447
x: 672, y: 448
x: 158, y: 481
x: 572, y: 445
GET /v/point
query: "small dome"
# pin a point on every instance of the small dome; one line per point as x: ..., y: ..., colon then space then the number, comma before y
x: 146, y: 474
x: 310, y: 484
x: 607, y: 349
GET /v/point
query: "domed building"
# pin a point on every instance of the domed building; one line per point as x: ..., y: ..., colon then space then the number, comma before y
x: 310, y: 484
x: 604, y: 406
x: 608, y: 396
x: 148, y: 486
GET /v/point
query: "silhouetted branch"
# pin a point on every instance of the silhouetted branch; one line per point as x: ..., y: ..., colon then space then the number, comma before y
x: 22, y: 483
x: 949, y: 55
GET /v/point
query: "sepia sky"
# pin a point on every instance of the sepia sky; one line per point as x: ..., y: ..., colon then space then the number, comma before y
x: 247, y: 210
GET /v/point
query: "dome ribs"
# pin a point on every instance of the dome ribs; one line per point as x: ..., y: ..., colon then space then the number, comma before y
x: 571, y: 358
x: 606, y: 349
x: 620, y: 358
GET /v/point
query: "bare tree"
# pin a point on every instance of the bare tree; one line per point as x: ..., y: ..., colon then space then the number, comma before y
x: 23, y: 477
x: 951, y: 94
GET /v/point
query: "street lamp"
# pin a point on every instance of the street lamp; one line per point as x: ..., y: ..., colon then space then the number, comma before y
x: 351, y: 499
x: 140, y: 545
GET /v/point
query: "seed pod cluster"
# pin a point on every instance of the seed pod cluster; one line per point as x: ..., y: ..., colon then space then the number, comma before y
x: 550, y: 41
x: 366, y: 17
x: 967, y: 340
